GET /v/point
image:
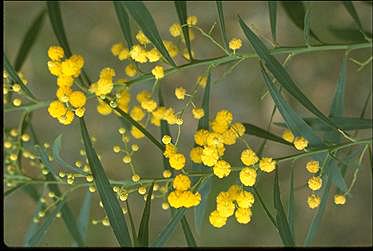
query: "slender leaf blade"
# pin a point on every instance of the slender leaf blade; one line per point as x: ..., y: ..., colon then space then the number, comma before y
x: 109, y: 201
x: 146, y: 22
x: 124, y: 23
x: 352, y: 11
x: 44, y: 159
x: 83, y: 220
x: 291, y: 205
x: 251, y: 129
x: 336, y: 109
x: 188, y: 233
x: 132, y: 224
x: 219, y: 6
x: 181, y: 9
x: 143, y: 235
x: 307, y: 25
x: 272, y: 8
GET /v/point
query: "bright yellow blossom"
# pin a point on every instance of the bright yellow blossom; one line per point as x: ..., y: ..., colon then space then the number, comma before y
x: 248, y: 176
x: 267, y: 164
x: 249, y: 157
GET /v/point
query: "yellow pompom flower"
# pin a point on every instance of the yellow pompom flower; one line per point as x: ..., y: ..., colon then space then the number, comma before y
x: 138, y: 54
x: 77, y: 99
x: 54, y: 68
x: 180, y: 93
x: 313, y: 166
x: 174, y: 199
x: 216, y: 219
x: 239, y: 128
x: 17, y: 102
x: 80, y: 112
x: 158, y: 72
x: 102, y: 87
x: 65, y: 81
x: 200, y: 137
x: 143, y: 96
x: 181, y: 182
x: 288, y: 136
x: 117, y: 48
x: 70, y: 68
x: 166, y: 174
x: 140, y: 36
x: 229, y: 137
x: 315, y: 183
x: 249, y: 157
x: 209, y: 156
x: 248, y: 176
x: 339, y: 199
x: 67, y: 118
x: 166, y: 139
x: 78, y: 60
x: 170, y: 149
x: 177, y: 161
x: 190, y: 200
x: 224, y: 116
x: 56, y: 109
x: 245, y: 199
x: 130, y: 70
x: 195, y: 154
x: 243, y: 215
x: 55, y: 53
x: 300, y: 143
x: 149, y: 105
x: 171, y: 48
x: 267, y: 164
x: 222, y: 168
x: 153, y: 55
x: 235, y: 44
x: 225, y: 208
x: 192, y: 20
x: 137, y: 113
x: 313, y: 201
x: 103, y: 108
x: 136, y: 133
x: 63, y: 93
x: 124, y: 54
x: 198, y: 113
x: 107, y: 73
x: 214, y: 139
x: 175, y: 30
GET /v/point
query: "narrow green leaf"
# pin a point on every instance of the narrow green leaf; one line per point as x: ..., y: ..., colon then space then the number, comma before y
x: 349, y: 34
x: 282, y: 223
x: 33, y: 227
x: 352, y: 11
x: 272, y: 8
x: 307, y: 24
x: 56, y: 148
x: 219, y: 6
x: 15, y: 78
x: 13, y: 189
x: 338, y: 179
x: 127, y: 117
x: 123, y: 21
x: 109, y: 201
x: 188, y: 233
x: 146, y: 22
x: 181, y: 9
x: 336, y: 109
x: 133, y: 228
x: 143, y: 235
x: 296, y: 12
x: 293, y: 121
x: 291, y: 205
x: 29, y: 40
x: 83, y: 220
x: 200, y: 210
x: 261, y: 201
x: 44, y: 159
x: 345, y: 123
x: 261, y: 133
x: 281, y: 74
x: 57, y: 24
x: 39, y: 234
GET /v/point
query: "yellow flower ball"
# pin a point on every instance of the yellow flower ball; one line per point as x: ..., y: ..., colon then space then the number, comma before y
x: 67, y: 118
x: 57, y: 109
x: 138, y: 53
x: 198, y: 113
x: 140, y: 36
x: 248, y: 176
x: 315, y: 183
x: 313, y: 166
x: 166, y: 139
x: 80, y: 112
x: 65, y: 81
x: 222, y: 169
x: 177, y: 161
x: 192, y: 20
x: 170, y: 149
x: 17, y: 102
x: 180, y: 93
x: 103, y: 108
x: 209, y: 156
x: 137, y: 113
x: 245, y: 199
x: 200, y: 137
x: 130, y: 70
x: 235, y: 44
x: 195, y: 154
x: 149, y: 105
x: 239, y: 128
x: 216, y: 219
x: 313, y: 201
x: 135, y: 178
x: 234, y: 191
x: 339, y: 199
x: 175, y: 30
x: 174, y: 200
x: 117, y: 48
x: 181, y: 182
x: 158, y: 72
x: 300, y: 143
x: 166, y: 174
x: 225, y: 208
x: 249, y: 157
x: 153, y: 55
x: 243, y: 215
x: 63, y: 93
x: 267, y: 164
x: 124, y: 54
x: 77, y: 99
x: 55, y: 53
x: 288, y: 136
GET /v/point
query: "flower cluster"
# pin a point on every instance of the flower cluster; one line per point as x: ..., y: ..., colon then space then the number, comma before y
x: 14, y: 88
x: 235, y: 201
x: 300, y: 143
x: 211, y: 144
x: 69, y: 102
x: 182, y: 196
x: 175, y: 159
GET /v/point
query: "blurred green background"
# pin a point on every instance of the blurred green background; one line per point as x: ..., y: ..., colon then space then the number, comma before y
x: 92, y: 27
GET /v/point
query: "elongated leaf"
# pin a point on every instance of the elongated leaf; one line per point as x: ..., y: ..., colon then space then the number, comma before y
x: 29, y: 40
x: 44, y: 159
x: 296, y: 12
x: 352, y: 11
x: 143, y: 235
x: 145, y: 20
x: 133, y: 228
x: 83, y: 220
x: 291, y: 205
x: 123, y: 21
x: 282, y: 223
x: 13, y: 189
x: 307, y: 24
x: 56, y: 148
x: 200, y: 210
x: 261, y: 201
x: 292, y: 119
x: 181, y: 10
x: 345, y: 123
x: 272, y: 8
x: 127, y: 117
x: 336, y: 109
x: 34, y: 226
x: 261, y: 133
x: 109, y: 201
x: 39, y: 234
x: 338, y: 179
x: 219, y: 6
x: 15, y: 78
x: 282, y: 76
x: 349, y: 34
x: 188, y: 233
x: 57, y: 24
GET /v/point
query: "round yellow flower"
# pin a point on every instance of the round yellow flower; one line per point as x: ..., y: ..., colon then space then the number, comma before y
x: 80, y: 112
x: 77, y: 99
x: 217, y: 220
x: 131, y: 70
x: 153, y: 55
x: 192, y: 20
x: 245, y: 199
x: 225, y: 208
x: 174, y: 199
x: 166, y: 139
x: 138, y: 53
x: 198, y: 113
x: 166, y: 174
x: 248, y: 176
x: 267, y: 164
x: 116, y: 48
x: 17, y: 102
x: 300, y: 143
x: 315, y: 183
x: 137, y: 113
x: 65, y: 81
x: 67, y: 118
x: 313, y: 201
x: 222, y: 168
x: 63, y: 93
x: 175, y: 30
x: 235, y: 43
x: 181, y: 183
x: 56, y: 109
x: 149, y: 105
x: 209, y: 156
x: 313, y: 166
x: 103, y: 108
x: 195, y: 154
x: 124, y: 54
x: 169, y: 150
x: 140, y: 36
x: 158, y: 72
x: 200, y: 137
x: 248, y: 157
x: 180, y: 93
x: 243, y: 215
x: 339, y: 199
x: 177, y: 161
x: 288, y: 136
x: 55, y: 53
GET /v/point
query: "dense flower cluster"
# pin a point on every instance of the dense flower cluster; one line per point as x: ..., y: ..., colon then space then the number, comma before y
x: 69, y: 102
x: 300, y: 143
x: 182, y: 196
